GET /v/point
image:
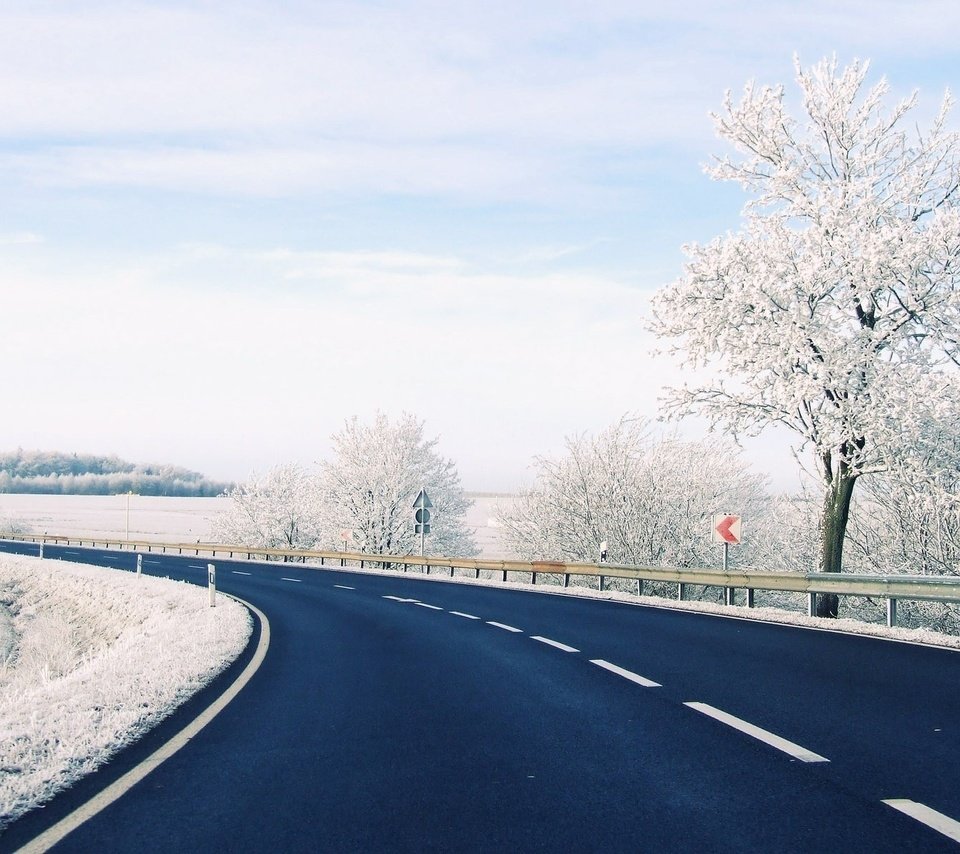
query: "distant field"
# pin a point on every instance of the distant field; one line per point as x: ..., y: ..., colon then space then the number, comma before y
x: 172, y: 520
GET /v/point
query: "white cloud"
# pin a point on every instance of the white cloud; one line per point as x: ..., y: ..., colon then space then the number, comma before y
x: 20, y: 238
x: 152, y: 355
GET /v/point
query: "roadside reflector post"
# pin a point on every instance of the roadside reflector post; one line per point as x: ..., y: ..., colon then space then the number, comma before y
x: 812, y: 605
x: 139, y: 565
x: 41, y: 549
x: 749, y: 597
x: 212, y: 584
x: 639, y: 587
x: 681, y: 589
x: 729, y: 595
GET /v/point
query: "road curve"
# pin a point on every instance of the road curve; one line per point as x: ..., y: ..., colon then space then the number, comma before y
x: 395, y: 714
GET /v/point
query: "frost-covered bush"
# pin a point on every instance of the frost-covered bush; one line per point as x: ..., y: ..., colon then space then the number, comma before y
x: 650, y: 497
x: 92, y: 659
x: 370, y: 484
x: 278, y: 510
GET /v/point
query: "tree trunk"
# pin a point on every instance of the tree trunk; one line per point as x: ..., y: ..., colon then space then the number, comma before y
x: 833, y: 530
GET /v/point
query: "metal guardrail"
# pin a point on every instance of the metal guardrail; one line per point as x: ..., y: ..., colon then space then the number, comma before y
x: 890, y: 587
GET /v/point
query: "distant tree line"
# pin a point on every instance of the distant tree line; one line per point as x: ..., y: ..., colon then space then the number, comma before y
x: 55, y: 473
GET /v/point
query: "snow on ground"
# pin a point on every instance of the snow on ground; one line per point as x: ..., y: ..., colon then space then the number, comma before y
x: 92, y: 658
x: 179, y: 520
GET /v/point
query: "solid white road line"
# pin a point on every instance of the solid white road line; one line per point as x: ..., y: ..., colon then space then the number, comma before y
x: 554, y: 643
x: 794, y: 750
x: 53, y: 835
x: 295, y: 580
x: 344, y: 587
x: 239, y: 572
x: 503, y: 626
x: 461, y: 614
x: 949, y: 827
x: 626, y: 674
x: 431, y: 607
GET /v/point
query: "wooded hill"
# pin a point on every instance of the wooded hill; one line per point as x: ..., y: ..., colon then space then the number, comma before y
x: 55, y: 473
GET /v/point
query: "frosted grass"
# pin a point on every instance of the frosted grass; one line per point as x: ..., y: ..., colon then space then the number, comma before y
x: 93, y: 659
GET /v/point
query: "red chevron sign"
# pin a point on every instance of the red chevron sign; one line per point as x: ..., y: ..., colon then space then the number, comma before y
x: 726, y: 529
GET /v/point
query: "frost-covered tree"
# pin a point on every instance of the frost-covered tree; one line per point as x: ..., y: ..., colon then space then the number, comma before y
x: 373, y: 479
x: 278, y: 510
x: 835, y: 309
x: 651, y: 498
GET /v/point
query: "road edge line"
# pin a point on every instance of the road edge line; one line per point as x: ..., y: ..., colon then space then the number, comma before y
x: 52, y: 835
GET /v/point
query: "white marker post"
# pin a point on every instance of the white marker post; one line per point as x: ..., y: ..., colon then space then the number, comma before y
x: 212, y: 584
x: 41, y: 549
x: 139, y: 565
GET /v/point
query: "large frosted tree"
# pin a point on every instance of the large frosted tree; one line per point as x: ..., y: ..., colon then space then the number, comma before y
x: 376, y: 473
x: 834, y: 310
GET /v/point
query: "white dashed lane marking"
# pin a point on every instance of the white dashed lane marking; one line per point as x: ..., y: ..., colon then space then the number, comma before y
x: 626, y: 674
x: 400, y: 599
x: 344, y: 587
x: 461, y: 614
x: 239, y: 572
x: 431, y: 607
x: 503, y: 626
x: 767, y: 737
x: 949, y: 827
x: 553, y: 643
x: 295, y: 580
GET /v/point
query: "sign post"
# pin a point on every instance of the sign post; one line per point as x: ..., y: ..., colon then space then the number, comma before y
x: 727, y: 530
x: 421, y: 526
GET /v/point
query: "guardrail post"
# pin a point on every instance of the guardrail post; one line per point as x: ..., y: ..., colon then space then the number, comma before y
x: 812, y: 605
x: 504, y: 575
x: 891, y: 612
x: 477, y: 572
x: 681, y: 589
x: 566, y: 579
x: 600, y: 582
x: 533, y: 578
x: 639, y: 587
x: 749, y: 597
x: 343, y: 561
x: 729, y: 597
x: 451, y: 572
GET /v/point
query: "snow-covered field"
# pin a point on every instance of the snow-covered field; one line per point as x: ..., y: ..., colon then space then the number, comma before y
x: 90, y: 659
x: 174, y: 520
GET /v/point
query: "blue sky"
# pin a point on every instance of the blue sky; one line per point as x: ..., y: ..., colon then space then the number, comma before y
x: 227, y: 227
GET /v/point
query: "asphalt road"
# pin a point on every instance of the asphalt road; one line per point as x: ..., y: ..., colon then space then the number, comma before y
x: 396, y: 714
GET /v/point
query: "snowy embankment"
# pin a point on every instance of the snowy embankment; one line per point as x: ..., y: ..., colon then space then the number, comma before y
x: 92, y: 658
